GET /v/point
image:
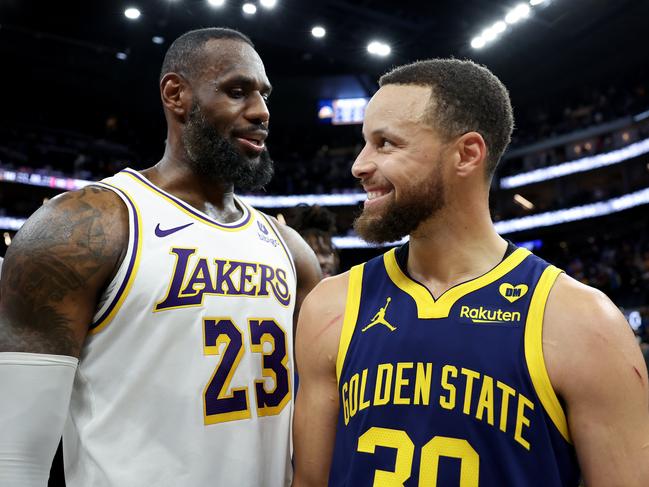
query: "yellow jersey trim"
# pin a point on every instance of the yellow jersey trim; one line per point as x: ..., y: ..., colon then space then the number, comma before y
x: 244, y: 222
x: 103, y: 323
x: 352, y: 306
x: 534, y: 352
x: 427, y: 306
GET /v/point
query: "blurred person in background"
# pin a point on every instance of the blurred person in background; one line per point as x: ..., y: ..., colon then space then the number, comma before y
x: 317, y: 226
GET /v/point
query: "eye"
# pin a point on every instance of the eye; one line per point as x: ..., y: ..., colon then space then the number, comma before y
x: 236, y: 92
x: 384, y: 143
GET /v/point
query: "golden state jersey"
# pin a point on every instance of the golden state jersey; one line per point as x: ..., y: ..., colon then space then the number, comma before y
x: 185, y: 376
x: 451, y: 391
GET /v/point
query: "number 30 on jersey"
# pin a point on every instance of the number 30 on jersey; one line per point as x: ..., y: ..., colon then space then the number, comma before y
x: 224, y: 404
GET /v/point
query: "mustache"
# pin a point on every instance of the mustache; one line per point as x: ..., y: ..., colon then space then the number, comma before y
x: 252, y: 128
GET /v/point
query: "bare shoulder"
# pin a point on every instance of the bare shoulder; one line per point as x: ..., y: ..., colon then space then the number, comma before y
x: 585, y: 336
x: 56, y: 267
x: 321, y: 320
x: 306, y: 263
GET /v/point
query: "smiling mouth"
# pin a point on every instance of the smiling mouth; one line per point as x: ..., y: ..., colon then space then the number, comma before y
x: 251, y: 145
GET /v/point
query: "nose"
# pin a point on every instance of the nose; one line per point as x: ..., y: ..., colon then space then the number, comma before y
x: 257, y: 110
x: 363, y: 164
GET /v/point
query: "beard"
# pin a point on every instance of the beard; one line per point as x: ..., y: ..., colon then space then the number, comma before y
x: 400, y: 218
x: 218, y: 159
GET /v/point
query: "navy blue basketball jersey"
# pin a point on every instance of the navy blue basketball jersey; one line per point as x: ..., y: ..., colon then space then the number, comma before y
x: 450, y: 391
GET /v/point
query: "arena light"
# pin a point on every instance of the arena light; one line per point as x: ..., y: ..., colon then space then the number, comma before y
x: 518, y: 13
x: 478, y: 43
x: 318, y: 32
x: 158, y: 39
x: 122, y: 56
x: 132, y: 13
x: 584, y: 164
x: 534, y: 3
x: 268, y: 4
x: 249, y: 8
x: 216, y: 3
x: 523, y: 202
x: 378, y: 48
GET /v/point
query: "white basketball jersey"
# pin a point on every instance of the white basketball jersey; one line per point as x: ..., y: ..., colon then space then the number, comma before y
x: 185, y: 379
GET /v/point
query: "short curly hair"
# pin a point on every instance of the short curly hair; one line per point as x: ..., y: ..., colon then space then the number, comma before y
x: 465, y: 97
x: 184, y: 54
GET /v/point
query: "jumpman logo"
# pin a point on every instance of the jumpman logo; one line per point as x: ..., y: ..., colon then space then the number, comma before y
x: 379, y: 318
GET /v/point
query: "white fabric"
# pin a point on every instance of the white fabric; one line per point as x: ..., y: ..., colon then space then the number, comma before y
x: 34, y: 398
x: 137, y: 410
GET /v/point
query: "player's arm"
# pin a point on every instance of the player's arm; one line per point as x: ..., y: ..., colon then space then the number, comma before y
x: 52, y: 277
x: 306, y: 264
x: 596, y: 367
x: 317, y: 403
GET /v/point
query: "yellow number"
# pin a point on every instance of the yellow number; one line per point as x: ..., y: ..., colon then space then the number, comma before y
x: 441, y: 446
x: 438, y: 446
x: 389, y: 438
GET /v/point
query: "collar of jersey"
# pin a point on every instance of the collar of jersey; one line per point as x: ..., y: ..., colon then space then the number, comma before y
x: 241, y: 224
x: 427, y: 306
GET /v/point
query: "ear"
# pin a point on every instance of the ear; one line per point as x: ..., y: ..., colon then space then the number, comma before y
x: 176, y: 94
x: 472, y: 153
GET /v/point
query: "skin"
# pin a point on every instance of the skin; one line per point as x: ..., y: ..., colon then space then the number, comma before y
x: 66, y: 254
x: 590, y: 353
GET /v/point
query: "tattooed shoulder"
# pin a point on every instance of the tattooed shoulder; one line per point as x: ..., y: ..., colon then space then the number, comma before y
x: 55, y: 269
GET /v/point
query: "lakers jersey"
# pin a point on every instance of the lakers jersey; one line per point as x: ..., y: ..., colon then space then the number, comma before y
x: 185, y: 376
x: 451, y: 391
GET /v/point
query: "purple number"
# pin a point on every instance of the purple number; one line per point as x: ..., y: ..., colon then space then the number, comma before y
x: 219, y: 405
x: 274, y: 365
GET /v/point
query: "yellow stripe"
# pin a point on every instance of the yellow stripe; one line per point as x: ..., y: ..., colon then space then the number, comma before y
x: 221, y: 226
x: 427, y: 306
x: 534, y: 352
x: 131, y: 278
x: 351, y: 315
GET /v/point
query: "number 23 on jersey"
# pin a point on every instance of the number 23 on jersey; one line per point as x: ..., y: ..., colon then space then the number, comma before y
x: 224, y: 404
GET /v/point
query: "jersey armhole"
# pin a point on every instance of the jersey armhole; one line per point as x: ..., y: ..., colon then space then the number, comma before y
x: 352, y: 306
x: 120, y: 286
x: 534, y: 352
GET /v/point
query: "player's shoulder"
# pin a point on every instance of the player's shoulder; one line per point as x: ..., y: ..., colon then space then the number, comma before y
x: 583, y: 332
x: 325, y: 304
x: 90, y: 223
x: 306, y: 262
x: 583, y: 307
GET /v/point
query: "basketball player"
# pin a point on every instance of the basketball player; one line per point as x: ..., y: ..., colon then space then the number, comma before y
x: 176, y: 297
x: 489, y: 367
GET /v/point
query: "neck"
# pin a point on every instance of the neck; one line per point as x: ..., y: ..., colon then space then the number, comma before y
x: 456, y: 245
x: 174, y: 174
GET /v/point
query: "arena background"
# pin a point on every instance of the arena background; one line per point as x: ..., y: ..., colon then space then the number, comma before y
x: 80, y: 101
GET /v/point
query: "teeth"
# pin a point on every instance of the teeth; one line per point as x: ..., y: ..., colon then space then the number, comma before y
x: 375, y: 194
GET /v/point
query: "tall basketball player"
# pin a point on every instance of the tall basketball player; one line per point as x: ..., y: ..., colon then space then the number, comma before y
x: 153, y: 310
x: 486, y: 365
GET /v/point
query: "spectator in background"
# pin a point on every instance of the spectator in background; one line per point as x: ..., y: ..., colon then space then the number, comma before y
x: 317, y: 225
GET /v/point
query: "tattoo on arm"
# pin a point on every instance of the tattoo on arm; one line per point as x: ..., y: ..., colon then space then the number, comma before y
x: 53, y: 273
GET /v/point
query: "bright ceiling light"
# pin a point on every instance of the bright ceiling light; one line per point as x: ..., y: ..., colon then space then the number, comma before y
x: 478, y: 43
x: 378, y: 48
x: 318, y: 31
x: 519, y: 12
x: 268, y: 3
x: 132, y: 13
x: 489, y: 34
x: 158, y: 39
x: 249, y: 8
x: 499, y: 27
x: 536, y: 2
x: 216, y: 3
x: 122, y: 56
